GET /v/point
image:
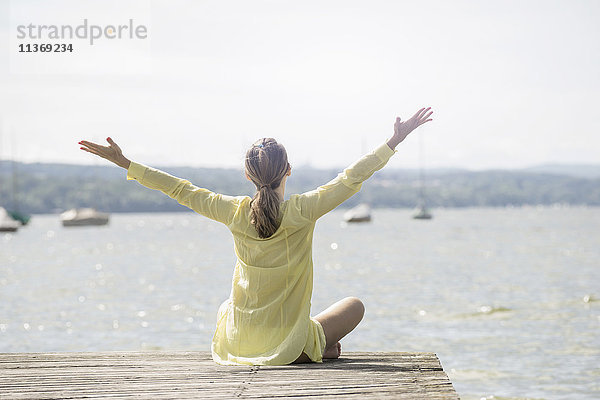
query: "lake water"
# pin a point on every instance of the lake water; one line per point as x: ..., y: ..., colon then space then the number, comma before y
x: 507, y: 298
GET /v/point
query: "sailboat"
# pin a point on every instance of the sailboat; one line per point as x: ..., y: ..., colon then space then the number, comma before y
x: 7, y: 224
x: 86, y: 216
x: 360, y: 213
x: 421, y: 212
x: 14, y: 214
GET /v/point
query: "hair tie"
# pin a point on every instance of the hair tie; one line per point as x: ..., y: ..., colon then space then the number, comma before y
x: 260, y: 145
x: 264, y: 186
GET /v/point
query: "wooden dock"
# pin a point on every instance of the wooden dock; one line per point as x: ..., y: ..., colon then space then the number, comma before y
x: 184, y: 375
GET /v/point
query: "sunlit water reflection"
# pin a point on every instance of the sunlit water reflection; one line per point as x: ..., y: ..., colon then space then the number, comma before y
x: 507, y: 298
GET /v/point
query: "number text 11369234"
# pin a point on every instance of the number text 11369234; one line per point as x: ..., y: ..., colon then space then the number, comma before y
x: 45, y: 48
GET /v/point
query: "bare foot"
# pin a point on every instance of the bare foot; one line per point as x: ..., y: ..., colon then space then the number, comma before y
x: 334, y: 351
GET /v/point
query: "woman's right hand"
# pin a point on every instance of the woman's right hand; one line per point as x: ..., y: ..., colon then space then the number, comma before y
x: 112, y: 152
x: 402, y: 129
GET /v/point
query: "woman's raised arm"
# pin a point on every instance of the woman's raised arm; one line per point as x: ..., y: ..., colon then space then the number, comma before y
x: 212, y: 205
x: 112, y: 152
x: 325, y: 198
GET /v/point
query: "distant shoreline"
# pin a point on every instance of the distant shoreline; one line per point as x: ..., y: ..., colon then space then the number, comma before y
x: 589, y: 171
x: 47, y: 188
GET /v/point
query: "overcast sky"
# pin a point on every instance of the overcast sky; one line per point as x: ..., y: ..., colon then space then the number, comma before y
x: 512, y: 83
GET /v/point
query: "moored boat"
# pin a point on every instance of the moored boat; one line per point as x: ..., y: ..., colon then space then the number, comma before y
x: 360, y: 213
x: 7, y: 224
x: 422, y: 210
x: 19, y: 217
x: 84, y: 217
x: 422, y: 213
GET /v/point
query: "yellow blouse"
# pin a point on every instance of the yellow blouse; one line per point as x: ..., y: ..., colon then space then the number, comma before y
x: 266, y: 320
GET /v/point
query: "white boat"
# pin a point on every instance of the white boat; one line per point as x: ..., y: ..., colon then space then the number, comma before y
x: 84, y: 217
x: 7, y: 224
x: 422, y: 213
x: 360, y: 213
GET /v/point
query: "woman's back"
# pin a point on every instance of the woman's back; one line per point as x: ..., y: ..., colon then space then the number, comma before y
x: 266, y: 319
x: 292, y: 238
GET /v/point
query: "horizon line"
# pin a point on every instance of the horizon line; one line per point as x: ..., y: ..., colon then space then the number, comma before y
x: 308, y: 166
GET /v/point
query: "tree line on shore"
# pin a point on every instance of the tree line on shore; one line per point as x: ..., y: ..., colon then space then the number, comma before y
x: 52, y: 188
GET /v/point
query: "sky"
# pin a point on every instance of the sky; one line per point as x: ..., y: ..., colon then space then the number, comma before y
x: 512, y: 83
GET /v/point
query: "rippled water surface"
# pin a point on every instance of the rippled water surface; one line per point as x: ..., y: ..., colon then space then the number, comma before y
x: 507, y: 298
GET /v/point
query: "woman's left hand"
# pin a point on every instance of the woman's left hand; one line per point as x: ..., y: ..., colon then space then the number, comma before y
x: 403, y: 128
x: 112, y: 152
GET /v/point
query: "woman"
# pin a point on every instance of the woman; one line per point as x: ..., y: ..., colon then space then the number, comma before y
x: 266, y: 320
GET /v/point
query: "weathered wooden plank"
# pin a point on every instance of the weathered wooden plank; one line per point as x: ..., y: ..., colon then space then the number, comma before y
x: 182, y: 375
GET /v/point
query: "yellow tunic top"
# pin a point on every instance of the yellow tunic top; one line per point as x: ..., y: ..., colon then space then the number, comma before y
x: 266, y: 320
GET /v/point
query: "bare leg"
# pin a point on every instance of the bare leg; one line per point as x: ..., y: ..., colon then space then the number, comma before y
x: 337, y: 321
x: 340, y: 319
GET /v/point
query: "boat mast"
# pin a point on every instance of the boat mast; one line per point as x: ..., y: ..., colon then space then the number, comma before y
x: 13, y: 167
x: 1, y: 129
x: 422, y: 212
x: 421, y: 171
